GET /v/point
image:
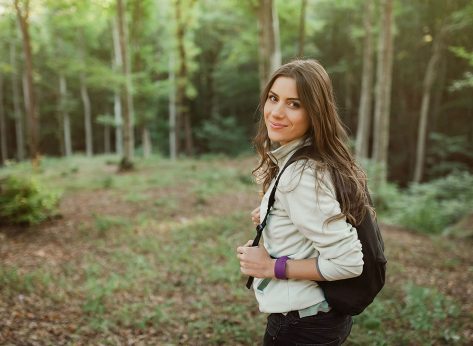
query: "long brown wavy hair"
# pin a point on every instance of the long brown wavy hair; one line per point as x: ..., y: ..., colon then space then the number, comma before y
x: 327, y: 136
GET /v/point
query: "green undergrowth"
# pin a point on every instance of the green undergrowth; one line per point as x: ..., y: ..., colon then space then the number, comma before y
x: 26, y: 201
x: 432, y: 207
x: 435, y: 207
x: 184, y: 277
x: 207, y: 177
x: 408, y: 314
x: 156, y: 269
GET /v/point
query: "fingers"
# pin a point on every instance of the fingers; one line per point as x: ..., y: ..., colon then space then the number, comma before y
x: 242, y: 249
x: 255, y: 216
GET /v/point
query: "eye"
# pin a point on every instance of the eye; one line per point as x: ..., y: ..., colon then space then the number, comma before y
x: 272, y: 98
x: 294, y: 104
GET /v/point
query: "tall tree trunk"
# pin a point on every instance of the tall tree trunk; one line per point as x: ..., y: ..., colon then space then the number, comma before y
x: 364, y: 110
x: 89, y: 149
x: 117, y: 111
x: 302, y: 28
x: 117, y: 103
x: 106, y: 138
x: 3, y: 130
x: 172, y: 110
x: 276, y: 56
x: 268, y: 34
x: 31, y: 110
x: 383, y: 93
x: 429, y: 78
x: 438, y: 93
x: 188, y: 134
x: 66, y: 122
x: 128, y: 147
x: 146, y: 139
x: 183, y: 120
x: 20, y: 141
x: 348, y: 97
x: 131, y: 105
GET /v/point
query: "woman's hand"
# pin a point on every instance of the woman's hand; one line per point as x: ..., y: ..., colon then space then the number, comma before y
x: 255, y: 216
x: 255, y: 261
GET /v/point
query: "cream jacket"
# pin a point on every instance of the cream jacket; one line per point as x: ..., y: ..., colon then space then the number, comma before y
x: 295, y: 228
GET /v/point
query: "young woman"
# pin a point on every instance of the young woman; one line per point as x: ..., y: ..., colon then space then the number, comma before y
x: 309, y: 235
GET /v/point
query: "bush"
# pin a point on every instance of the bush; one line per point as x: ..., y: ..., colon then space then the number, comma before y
x: 431, y: 207
x: 223, y: 135
x: 25, y: 201
x: 447, y: 154
x: 383, y: 195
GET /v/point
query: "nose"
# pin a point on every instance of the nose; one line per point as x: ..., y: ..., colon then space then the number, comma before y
x: 277, y: 111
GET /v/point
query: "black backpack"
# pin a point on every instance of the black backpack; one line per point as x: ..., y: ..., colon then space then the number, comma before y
x: 348, y: 296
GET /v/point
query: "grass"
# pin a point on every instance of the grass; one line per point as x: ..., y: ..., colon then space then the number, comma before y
x: 420, y: 316
x: 173, y: 278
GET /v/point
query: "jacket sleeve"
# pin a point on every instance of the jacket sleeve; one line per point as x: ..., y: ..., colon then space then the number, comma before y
x: 309, y: 205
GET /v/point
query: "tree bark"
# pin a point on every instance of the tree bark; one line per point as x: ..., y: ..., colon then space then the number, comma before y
x: 19, y: 133
x: 117, y: 103
x: 89, y: 149
x: 348, y: 97
x: 269, y: 45
x: 429, y: 78
x: 302, y: 28
x: 183, y: 120
x: 276, y: 56
x: 128, y: 147
x: 117, y: 111
x: 383, y: 93
x: 438, y: 93
x: 66, y: 122
x: 172, y: 110
x: 364, y: 110
x: 146, y: 139
x: 31, y: 110
x: 3, y: 131
x: 106, y: 138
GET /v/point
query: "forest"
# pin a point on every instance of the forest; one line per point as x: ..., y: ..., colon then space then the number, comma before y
x: 126, y: 153
x: 182, y: 77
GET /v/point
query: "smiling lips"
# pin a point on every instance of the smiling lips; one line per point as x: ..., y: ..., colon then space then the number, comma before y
x: 277, y: 125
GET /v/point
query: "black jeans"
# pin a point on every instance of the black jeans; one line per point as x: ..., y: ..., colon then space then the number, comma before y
x: 324, y: 329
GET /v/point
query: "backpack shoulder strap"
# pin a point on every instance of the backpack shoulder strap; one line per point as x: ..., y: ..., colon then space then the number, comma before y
x: 295, y: 157
x: 259, y: 228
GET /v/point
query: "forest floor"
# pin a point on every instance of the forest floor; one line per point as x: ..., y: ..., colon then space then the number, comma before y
x: 148, y: 258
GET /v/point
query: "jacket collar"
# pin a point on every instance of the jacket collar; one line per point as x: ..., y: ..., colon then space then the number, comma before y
x: 280, y: 155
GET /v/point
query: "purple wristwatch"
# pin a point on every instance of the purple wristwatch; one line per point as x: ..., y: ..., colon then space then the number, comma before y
x: 280, y: 268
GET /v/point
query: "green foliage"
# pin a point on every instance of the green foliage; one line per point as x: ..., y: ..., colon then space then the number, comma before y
x: 467, y: 81
x: 11, y: 281
x: 223, y: 135
x: 431, y: 207
x: 108, y: 182
x: 179, y: 264
x: 418, y: 316
x: 26, y: 201
x: 105, y: 119
x: 426, y: 306
x: 383, y: 195
x: 103, y: 223
x: 447, y: 154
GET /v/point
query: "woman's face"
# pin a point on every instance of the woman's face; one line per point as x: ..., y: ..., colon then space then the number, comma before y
x: 284, y: 116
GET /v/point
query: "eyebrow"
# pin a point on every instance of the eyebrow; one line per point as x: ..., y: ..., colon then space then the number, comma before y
x: 289, y: 98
